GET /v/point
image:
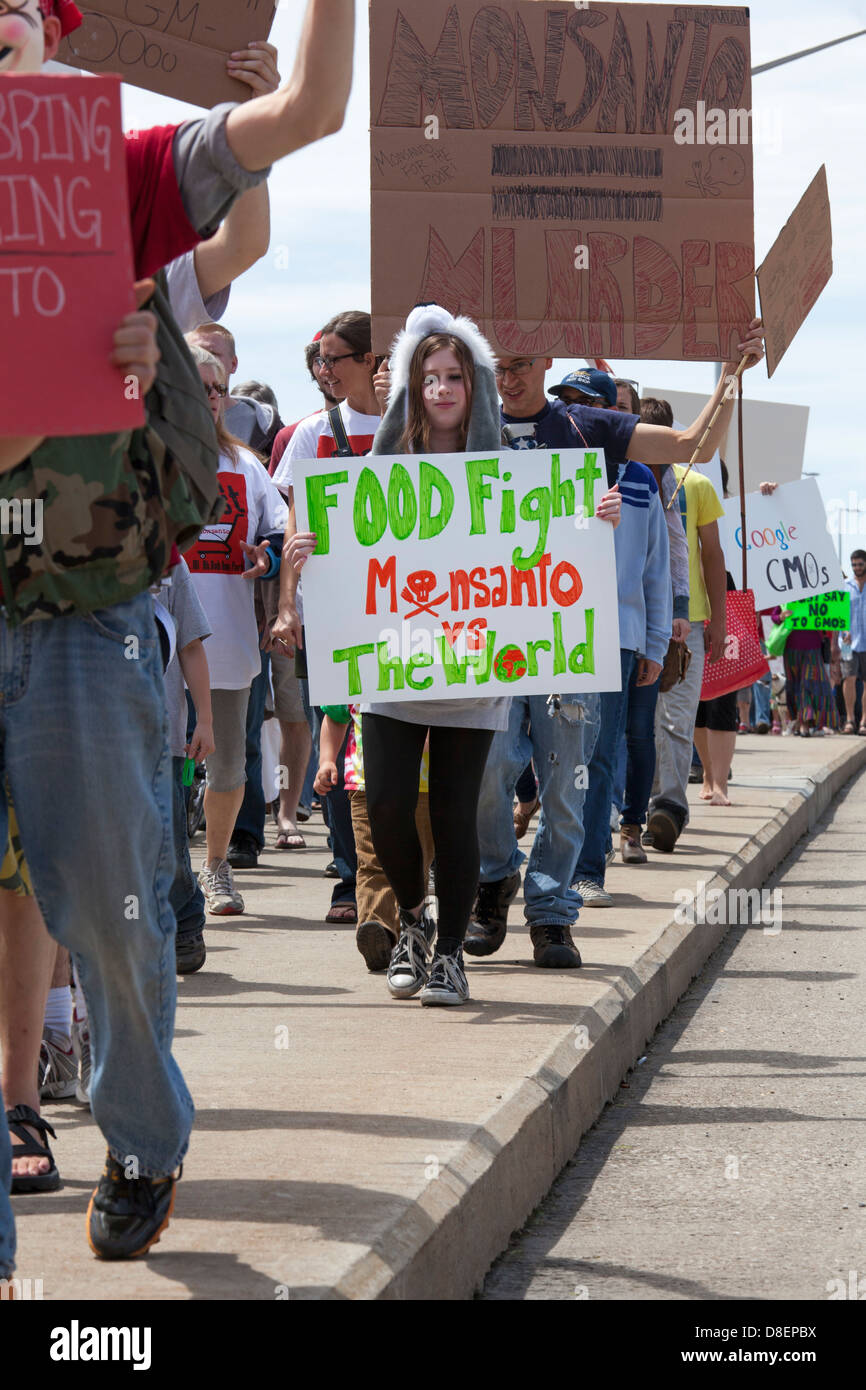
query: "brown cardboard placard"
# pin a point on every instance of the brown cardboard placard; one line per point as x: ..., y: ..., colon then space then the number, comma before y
x: 796, y: 269
x: 506, y: 137
x: 175, y: 47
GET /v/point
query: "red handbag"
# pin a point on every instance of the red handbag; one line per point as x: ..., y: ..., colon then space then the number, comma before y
x: 743, y: 662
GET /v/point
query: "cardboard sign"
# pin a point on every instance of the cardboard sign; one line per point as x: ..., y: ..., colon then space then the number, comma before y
x: 576, y: 179
x: 465, y: 577
x: 790, y: 552
x: 175, y: 47
x: 796, y: 269
x: 66, y: 269
x: 829, y: 612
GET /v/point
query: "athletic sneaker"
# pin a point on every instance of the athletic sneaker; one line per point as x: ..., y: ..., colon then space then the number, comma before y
x: 447, y: 983
x: 126, y: 1216
x: 593, y: 894
x: 81, y: 1048
x: 409, y: 968
x: 376, y: 943
x: 58, y: 1068
x: 220, y: 894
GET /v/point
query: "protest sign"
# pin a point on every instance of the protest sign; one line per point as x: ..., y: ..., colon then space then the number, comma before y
x: 576, y: 179
x: 467, y: 576
x: 66, y: 269
x: 829, y: 612
x: 790, y: 552
x: 796, y: 269
x: 175, y: 47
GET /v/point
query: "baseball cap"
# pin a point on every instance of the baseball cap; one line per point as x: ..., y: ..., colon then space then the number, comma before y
x: 590, y: 382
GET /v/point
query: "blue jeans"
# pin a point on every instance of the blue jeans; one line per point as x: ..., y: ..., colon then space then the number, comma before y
x: 83, y: 743
x: 761, y: 698
x: 640, y: 739
x: 185, y: 896
x: 560, y: 748
x: 251, y: 816
x: 592, y: 852
x: 337, y: 814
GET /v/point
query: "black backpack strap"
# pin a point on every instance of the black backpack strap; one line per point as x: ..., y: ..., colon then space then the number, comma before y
x: 341, y: 439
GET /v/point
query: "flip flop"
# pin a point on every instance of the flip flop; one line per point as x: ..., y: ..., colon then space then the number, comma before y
x: 343, y: 915
x: 17, y: 1118
x: 290, y: 839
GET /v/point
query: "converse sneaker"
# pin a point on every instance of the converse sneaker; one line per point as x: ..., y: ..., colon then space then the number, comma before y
x: 58, y: 1069
x: 81, y: 1049
x: 409, y: 967
x: 220, y: 894
x: 447, y: 983
x: 553, y: 947
x: 126, y: 1216
x: 489, y: 921
x: 593, y: 894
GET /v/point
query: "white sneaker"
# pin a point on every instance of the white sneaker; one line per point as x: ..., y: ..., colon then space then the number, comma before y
x: 409, y: 968
x: 81, y: 1049
x: 58, y: 1069
x: 593, y: 895
x: 448, y: 983
x: 220, y: 895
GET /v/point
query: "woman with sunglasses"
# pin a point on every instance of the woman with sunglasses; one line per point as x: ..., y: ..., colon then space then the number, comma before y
x: 245, y: 544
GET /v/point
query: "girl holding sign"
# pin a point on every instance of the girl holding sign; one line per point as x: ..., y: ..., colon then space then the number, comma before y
x: 443, y: 399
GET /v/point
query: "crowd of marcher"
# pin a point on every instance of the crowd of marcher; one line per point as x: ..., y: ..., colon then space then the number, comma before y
x: 425, y: 802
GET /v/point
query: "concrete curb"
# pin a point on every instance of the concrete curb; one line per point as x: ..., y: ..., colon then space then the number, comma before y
x: 442, y: 1244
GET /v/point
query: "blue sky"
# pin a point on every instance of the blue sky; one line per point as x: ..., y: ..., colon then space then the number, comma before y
x: 320, y: 231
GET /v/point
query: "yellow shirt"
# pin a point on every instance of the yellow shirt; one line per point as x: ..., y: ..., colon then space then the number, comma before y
x: 701, y: 506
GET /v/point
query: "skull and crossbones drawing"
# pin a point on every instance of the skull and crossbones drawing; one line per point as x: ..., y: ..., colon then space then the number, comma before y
x: 418, y: 589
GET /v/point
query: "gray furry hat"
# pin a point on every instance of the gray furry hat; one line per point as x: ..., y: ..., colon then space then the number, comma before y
x: 485, y: 429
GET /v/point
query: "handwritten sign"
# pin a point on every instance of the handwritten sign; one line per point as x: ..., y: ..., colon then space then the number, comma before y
x: 796, y: 269
x: 467, y: 576
x: 66, y: 271
x: 175, y: 47
x: 790, y: 552
x: 830, y: 612
x: 576, y: 179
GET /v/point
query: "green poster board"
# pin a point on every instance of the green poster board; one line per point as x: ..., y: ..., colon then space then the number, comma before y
x: 830, y: 612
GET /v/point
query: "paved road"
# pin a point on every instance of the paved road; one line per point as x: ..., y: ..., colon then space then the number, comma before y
x: 733, y: 1163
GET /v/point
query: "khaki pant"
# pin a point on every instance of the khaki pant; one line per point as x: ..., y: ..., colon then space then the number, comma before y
x: 374, y: 895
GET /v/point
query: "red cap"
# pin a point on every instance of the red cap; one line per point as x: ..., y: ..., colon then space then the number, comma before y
x: 66, y: 11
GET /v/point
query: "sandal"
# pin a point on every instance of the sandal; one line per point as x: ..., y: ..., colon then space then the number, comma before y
x: 343, y: 914
x: 522, y: 818
x: 862, y: 729
x: 290, y: 839
x: 850, y: 727
x: 17, y: 1118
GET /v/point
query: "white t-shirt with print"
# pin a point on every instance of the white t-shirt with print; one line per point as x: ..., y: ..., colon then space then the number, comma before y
x: 254, y: 510
x: 314, y: 439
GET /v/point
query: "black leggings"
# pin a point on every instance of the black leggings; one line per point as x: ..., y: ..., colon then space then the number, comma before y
x: 392, y: 764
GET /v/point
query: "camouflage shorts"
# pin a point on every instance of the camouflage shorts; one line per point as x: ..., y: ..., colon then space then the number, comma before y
x: 14, y: 874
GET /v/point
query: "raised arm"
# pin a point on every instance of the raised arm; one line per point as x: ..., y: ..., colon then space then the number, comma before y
x: 312, y: 103
x: 657, y: 444
x: 242, y: 240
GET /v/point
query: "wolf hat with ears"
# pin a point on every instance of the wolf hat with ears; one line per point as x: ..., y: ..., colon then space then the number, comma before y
x: 485, y: 430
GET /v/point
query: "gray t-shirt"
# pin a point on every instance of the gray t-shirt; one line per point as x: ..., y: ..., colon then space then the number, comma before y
x: 208, y: 175
x: 178, y: 594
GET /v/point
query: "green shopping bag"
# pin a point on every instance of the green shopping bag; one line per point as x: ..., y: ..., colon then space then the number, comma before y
x: 778, y: 637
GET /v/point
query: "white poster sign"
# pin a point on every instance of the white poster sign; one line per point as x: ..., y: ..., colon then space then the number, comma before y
x: 457, y: 576
x: 790, y: 552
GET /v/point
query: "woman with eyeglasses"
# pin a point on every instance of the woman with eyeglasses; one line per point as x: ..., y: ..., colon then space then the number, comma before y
x: 344, y: 368
x: 245, y: 544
